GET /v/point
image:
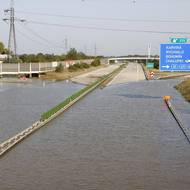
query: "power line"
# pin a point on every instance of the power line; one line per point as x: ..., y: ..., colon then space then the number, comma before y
x: 104, y: 18
x: 108, y: 29
x: 23, y: 34
x: 45, y: 40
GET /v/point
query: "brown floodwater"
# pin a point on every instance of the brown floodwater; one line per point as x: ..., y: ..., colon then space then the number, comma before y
x: 118, y: 138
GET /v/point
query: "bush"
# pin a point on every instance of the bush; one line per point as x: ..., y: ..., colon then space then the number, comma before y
x: 96, y: 62
x: 78, y: 66
x: 59, y: 68
x: 72, y: 68
x: 85, y: 65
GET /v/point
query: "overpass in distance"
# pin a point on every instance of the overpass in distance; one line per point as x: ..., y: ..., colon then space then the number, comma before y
x: 118, y: 59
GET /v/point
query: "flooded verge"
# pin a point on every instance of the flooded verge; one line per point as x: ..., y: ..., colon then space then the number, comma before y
x: 122, y: 137
x: 22, y: 104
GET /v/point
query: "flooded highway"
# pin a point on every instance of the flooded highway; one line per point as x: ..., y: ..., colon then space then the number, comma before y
x: 121, y: 137
x: 21, y: 104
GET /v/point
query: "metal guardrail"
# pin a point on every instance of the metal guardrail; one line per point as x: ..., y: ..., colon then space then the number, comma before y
x: 145, y: 72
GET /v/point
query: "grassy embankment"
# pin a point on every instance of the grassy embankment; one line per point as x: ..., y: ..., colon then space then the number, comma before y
x: 72, y: 71
x: 165, y: 73
x: 184, y: 89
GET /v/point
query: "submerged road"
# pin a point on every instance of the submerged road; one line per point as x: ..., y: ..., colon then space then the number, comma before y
x: 121, y: 137
x: 94, y: 75
x: 132, y: 73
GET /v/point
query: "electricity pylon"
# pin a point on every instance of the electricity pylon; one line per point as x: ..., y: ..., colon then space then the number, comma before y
x: 12, y: 45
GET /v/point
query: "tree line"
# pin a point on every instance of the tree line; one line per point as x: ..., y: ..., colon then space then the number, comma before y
x: 72, y: 54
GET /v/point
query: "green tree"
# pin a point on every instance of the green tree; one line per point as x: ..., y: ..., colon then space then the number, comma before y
x: 2, y: 48
x: 72, y: 54
x: 96, y: 62
x: 24, y: 58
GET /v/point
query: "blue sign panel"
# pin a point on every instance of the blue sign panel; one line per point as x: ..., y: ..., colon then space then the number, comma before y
x: 175, y: 57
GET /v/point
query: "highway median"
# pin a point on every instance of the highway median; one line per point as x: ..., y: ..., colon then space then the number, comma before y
x: 78, y: 95
x: 48, y: 116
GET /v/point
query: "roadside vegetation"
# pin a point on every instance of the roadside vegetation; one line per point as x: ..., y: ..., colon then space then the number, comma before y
x: 62, y: 73
x: 184, y: 89
x: 3, y: 50
x: 72, y: 54
x: 78, y: 66
x: 70, y: 100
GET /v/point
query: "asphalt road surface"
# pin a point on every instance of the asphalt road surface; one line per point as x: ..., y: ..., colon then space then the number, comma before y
x: 132, y: 73
x: 94, y: 75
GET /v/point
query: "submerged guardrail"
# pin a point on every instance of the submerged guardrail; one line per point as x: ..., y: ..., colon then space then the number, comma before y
x: 185, y: 130
x: 53, y: 113
x: 145, y: 72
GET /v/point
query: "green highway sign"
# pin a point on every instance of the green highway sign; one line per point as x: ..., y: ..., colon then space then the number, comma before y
x: 178, y: 40
x: 150, y: 65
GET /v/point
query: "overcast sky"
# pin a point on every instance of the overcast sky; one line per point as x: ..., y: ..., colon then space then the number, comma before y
x: 31, y: 38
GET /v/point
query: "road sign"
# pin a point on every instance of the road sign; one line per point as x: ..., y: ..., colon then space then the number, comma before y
x: 150, y: 65
x: 175, y: 57
x: 178, y: 40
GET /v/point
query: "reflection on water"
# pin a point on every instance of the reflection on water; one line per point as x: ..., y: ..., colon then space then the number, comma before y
x: 105, y: 141
x: 21, y: 104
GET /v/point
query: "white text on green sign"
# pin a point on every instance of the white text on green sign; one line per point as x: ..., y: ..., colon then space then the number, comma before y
x: 178, y: 40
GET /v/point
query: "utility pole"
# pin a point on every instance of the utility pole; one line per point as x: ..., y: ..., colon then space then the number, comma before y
x: 149, y: 51
x: 95, y: 50
x: 12, y: 45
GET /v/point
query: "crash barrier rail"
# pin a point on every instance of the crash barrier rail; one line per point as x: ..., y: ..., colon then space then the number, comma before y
x: 146, y: 73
